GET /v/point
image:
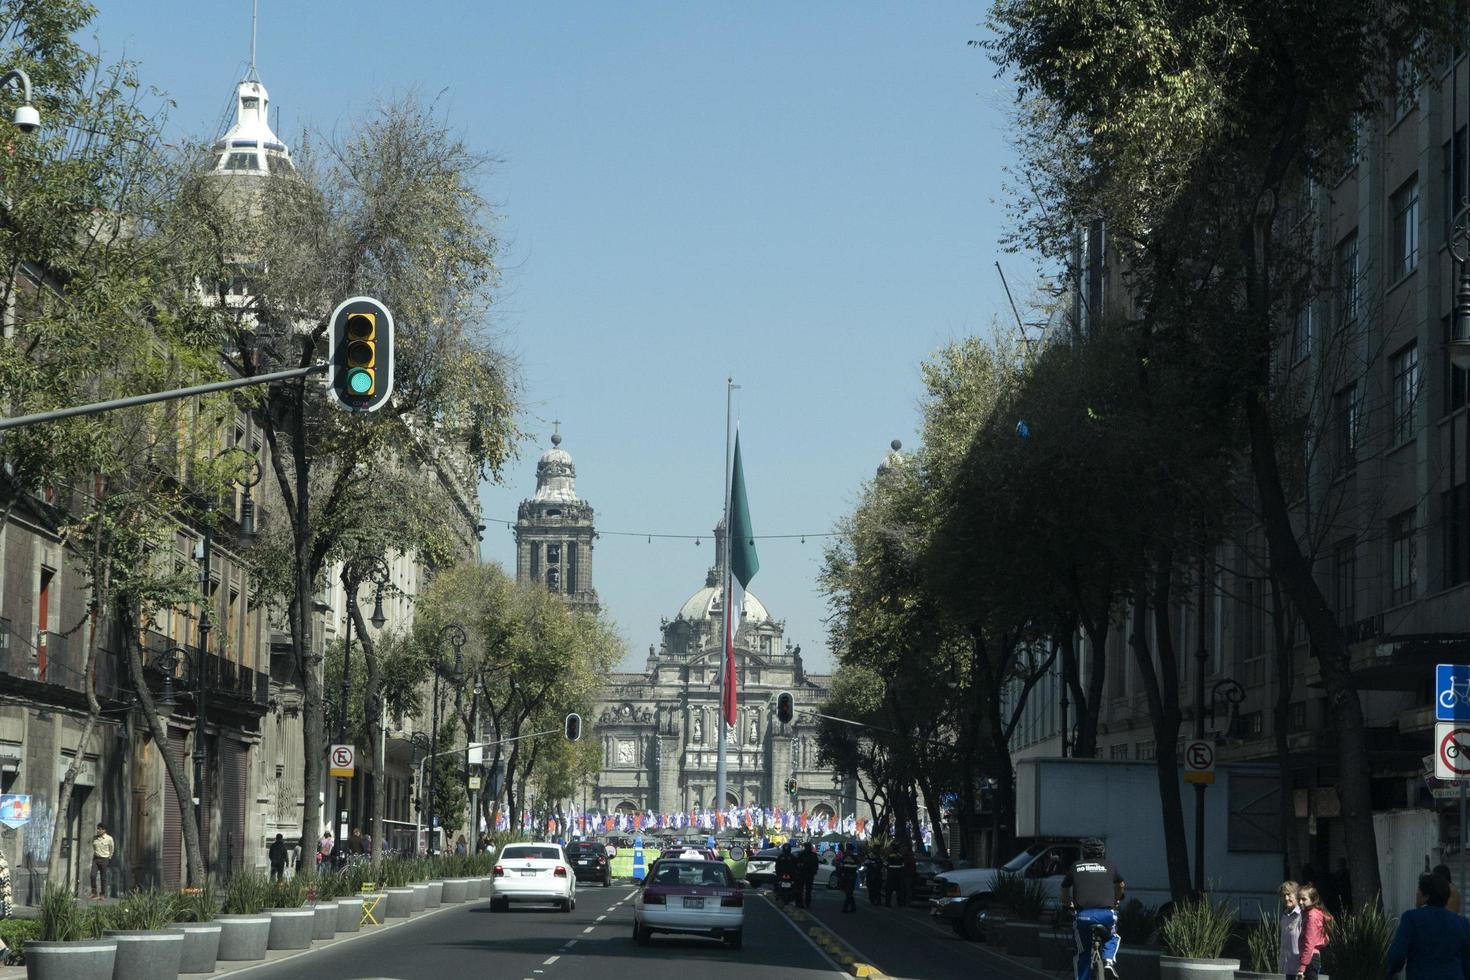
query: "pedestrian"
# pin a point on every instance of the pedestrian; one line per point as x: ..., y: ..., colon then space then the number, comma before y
x: 102, y: 848
x: 874, y: 870
x: 808, y: 863
x: 355, y: 845
x: 7, y: 898
x: 277, y: 855
x: 1315, y: 919
x: 367, y: 844
x: 892, y: 878
x: 1433, y: 941
x: 1291, y: 928
x: 460, y: 847
x: 847, y: 872
x: 910, y: 870
x: 1443, y: 871
x: 1092, y: 888
x: 324, y: 847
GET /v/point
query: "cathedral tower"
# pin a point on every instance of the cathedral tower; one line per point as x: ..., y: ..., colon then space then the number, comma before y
x: 555, y: 532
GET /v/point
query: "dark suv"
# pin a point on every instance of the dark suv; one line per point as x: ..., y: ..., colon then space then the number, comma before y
x: 589, y: 862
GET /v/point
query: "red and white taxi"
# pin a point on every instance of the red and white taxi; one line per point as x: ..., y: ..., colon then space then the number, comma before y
x: 538, y: 873
x: 689, y: 895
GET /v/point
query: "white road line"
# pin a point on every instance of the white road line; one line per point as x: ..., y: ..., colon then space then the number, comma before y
x: 569, y: 944
x: 599, y: 918
x: 550, y: 960
x: 613, y: 908
x: 588, y: 929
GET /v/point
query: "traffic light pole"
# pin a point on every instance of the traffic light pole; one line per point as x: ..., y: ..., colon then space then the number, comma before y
x: 97, y: 408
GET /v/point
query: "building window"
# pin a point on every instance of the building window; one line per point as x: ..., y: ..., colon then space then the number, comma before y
x: 553, y: 554
x: 1454, y: 178
x: 1348, y: 411
x: 1301, y: 334
x: 1405, y: 365
x: 1144, y: 751
x: 1250, y: 725
x: 1404, y: 249
x: 1253, y: 632
x: 571, y: 567
x: 1345, y: 580
x: 1402, y: 555
x: 1406, y: 88
x: 1119, y: 752
x: 1347, y: 280
x: 1296, y: 716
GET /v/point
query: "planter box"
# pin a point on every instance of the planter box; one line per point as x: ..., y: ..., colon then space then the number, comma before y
x: 456, y: 889
x: 291, y: 928
x: 147, y: 954
x: 90, y: 959
x: 1141, y: 962
x: 435, y: 896
x: 201, y: 946
x: 244, y: 937
x: 398, y: 904
x: 325, y: 926
x: 1249, y: 975
x: 993, y: 924
x: 1058, y: 952
x: 1023, y: 938
x: 486, y: 886
x: 1180, y: 968
x: 420, y: 896
x: 349, y: 914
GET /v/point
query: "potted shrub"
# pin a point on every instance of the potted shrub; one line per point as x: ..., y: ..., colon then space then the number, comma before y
x: 321, y: 898
x: 245, y: 928
x: 147, y: 949
x: 1138, y: 925
x: 70, y: 946
x: 194, y: 914
x: 455, y: 869
x: 485, y: 871
x: 1358, y: 944
x: 398, y: 893
x: 15, y: 933
x: 418, y: 880
x: 348, y: 888
x: 434, y: 878
x: 292, y: 924
x: 998, y: 911
x: 1262, y: 949
x: 1194, y: 937
x: 1027, y: 905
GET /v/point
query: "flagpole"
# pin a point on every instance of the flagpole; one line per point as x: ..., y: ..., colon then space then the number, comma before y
x: 730, y: 387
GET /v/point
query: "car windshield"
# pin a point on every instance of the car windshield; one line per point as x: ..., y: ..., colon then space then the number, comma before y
x: 1020, y: 861
x: 708, y: 873
x: 769, y: 854
x: 523, y: 852
x: 584, y: 848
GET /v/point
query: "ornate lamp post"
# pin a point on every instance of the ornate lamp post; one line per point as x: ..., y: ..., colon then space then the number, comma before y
x: 247, y: 503
x: 457, y: 639
x: 167, y: 662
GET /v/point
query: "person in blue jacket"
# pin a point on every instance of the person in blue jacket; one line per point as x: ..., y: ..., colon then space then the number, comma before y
x: 1433, y: 941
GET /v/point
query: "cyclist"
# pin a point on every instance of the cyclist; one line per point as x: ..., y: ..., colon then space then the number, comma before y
x: 1092, y: 889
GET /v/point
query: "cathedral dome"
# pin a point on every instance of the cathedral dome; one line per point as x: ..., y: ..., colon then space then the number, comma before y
x: 556, y: 475
x: 705, y: 603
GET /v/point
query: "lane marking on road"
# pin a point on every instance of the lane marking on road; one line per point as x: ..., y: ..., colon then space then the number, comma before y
x: 588, y: 929
x: 569, y: 944
x: 550, y: 960
x: 599, y: 918
x: 836, y: 967
x: 614, y: 907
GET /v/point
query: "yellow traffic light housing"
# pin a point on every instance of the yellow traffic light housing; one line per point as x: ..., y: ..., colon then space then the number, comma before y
x: 361, y: 354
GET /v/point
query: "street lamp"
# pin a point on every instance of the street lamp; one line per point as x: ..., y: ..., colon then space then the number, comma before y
x: 247, y: 504
x: 168, y: 662
x: 1459, y: 344
x: 457, y: 639
x: 27, y: 119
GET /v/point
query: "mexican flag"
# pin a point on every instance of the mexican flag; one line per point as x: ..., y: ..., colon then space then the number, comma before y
x: 743, y: 566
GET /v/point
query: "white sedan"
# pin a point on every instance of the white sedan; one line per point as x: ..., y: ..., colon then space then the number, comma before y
x: 538, y: 873
x: 690, y: 896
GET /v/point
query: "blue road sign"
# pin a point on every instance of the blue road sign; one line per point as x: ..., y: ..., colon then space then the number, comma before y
x: 638, y: 869
x: 1452, y: 692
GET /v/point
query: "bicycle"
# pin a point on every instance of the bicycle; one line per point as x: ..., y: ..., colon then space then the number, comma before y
x: 1458, y: 694
x: 1098, y: 968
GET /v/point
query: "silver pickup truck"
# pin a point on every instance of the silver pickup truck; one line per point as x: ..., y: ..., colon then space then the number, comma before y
x: 962, y: 896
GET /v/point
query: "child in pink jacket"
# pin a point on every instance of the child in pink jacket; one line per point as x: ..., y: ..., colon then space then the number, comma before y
x: 1314, y: 933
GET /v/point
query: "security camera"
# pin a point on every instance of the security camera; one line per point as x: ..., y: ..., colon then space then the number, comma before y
x: 27, y: 118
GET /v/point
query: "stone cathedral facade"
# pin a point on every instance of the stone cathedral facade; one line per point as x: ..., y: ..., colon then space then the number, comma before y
x: 657, y: 726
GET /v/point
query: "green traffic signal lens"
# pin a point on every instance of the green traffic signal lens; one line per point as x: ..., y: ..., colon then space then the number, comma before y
x: 360, y: 381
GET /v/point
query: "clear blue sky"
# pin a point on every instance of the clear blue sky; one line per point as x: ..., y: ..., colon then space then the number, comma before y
x: 804, y: 196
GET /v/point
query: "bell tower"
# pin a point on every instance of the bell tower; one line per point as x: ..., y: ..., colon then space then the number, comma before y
x: 555, y: 531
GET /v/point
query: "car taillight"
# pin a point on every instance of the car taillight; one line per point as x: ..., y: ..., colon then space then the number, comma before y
x: 561, y: 872
x: 654, y: 898
x: 734, y: 901
x: 602, y: 860
x: 952, y: 889
x: 499, y: 871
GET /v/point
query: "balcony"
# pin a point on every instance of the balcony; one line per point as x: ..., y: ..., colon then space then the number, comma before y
x: 49, y: 663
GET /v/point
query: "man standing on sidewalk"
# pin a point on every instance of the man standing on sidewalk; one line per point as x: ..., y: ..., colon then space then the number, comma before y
x: 102, y: 848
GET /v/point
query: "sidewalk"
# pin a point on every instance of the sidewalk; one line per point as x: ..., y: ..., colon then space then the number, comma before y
x: 906, y: 944
x: 276, y: 955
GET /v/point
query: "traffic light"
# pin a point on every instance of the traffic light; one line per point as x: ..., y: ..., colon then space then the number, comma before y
x: 785, y: 708
x: 574, y: 727
x: 360, y: 354
x: 791, y: 785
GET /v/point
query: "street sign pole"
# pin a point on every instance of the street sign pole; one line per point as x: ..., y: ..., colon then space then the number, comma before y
x: 1462, y: 833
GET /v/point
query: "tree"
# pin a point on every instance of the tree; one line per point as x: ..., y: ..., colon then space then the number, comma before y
x: 393, y: 211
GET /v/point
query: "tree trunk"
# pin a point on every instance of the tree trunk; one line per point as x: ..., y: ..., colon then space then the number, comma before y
x: 1072, y: 689
x: 1090, y: 707
x: 313, y: 715
x: 1163, y: 709
x: 372, y: 710
x: 1283, y: 630
x: 159, y: 730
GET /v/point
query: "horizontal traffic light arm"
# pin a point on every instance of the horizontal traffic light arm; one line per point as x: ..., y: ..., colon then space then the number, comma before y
x: 97, y: 408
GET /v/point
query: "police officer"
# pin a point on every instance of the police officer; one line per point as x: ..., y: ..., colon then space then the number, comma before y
x: 1092, y: 889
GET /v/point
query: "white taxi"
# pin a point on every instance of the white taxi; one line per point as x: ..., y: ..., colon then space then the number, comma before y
x: 536, y: 873
x: 692, y: 896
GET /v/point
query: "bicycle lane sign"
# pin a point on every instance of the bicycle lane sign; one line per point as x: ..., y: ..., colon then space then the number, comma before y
x: 1451, y: 751
x: 1452, y: 692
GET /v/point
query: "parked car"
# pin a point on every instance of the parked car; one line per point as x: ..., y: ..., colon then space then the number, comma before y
x: 762, y: 867
x: 538, y: 873
x: 590, y: 861
x: 689, y: 896
x: 925, y: 870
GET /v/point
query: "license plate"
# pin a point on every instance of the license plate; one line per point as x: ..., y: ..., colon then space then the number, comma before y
x: 528, y: 874
x: 584, y: 861
x: 694, y: 903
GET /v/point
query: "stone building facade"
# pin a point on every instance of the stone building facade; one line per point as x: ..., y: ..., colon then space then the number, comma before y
x: 657, y: 726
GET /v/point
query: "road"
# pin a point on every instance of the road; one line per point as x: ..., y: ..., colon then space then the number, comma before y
x: 594, y: 942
